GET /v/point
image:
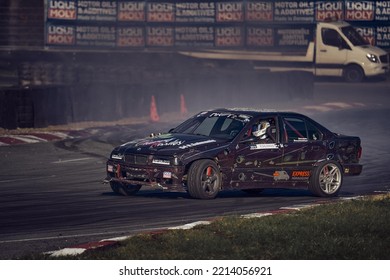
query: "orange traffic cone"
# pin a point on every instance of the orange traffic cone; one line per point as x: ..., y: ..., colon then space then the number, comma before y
x: 153, y: 111
x: 183, y: 107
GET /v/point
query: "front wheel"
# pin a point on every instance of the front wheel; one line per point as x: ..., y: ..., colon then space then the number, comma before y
x: 353, y: 74
x: 204, y: 179
x: 125, y: 189
x: 326, y: 179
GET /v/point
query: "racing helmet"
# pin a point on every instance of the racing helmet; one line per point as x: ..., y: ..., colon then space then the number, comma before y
x: 260, y: 129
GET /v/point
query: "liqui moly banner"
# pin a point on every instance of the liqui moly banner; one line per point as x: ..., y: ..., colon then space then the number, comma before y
x: 328, y: 10
x: 62, y: 9
x: 160, y: 12
x: 257, y: 36
x: 204, y: 23
x: 368, y: 33
x: 131, y: 11
x: 133, y: 37
x: 230, y: 11
x: 60, y: 35
x: 359, y: 10
x: 259, y: 11
x: 203, y: 11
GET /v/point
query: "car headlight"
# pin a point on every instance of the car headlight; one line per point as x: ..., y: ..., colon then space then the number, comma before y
x: 166, y: 161
x: 373, y: 58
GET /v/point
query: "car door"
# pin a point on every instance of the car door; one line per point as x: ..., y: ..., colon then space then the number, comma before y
x: 303, y: 146
x: 258, y: 159
x: 331, y: 54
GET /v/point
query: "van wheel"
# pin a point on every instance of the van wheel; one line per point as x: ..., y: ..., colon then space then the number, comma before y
x: 326, y: 179
x: 125, y: 189
x: 353, y: 74
x: 204, y: 179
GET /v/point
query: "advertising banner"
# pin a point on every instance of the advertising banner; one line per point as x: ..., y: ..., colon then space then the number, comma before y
x: 383, y: 36
x: 329, y: 10
x: 382, y: 11
x: 259, y: 11
x: 205, y: 23
x: 160, y: 36
x: 160, y: 12
x: 194, y: 36
x: 97, y: 10
x: 257, y: 36
x: 229, y: 36
x: 294, y: 11
x: 230, y: 11
x: 359, y: 10
x: 368, y: 33
x: 62, y: 9
x: 60, y: 35
x: 133, y: 37
x: 133, y: 11
x: 196, y: 12
x: 293, y: 36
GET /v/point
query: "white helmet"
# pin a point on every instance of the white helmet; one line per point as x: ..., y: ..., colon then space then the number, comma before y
x: 260, y: 129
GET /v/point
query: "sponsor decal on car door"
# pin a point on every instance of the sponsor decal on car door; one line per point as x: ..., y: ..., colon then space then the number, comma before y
x: 257, y: 161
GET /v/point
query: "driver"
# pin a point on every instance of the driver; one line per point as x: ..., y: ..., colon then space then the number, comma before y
x: 260, y: 130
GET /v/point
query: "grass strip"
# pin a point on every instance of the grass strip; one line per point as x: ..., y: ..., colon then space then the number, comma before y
x: 349, y: 230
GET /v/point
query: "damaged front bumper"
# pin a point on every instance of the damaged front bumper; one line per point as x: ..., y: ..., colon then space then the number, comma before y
x: 162, y: 177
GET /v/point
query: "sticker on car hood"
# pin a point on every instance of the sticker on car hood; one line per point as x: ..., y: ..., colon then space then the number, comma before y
x: 160, y: 142
x: 190, y: 145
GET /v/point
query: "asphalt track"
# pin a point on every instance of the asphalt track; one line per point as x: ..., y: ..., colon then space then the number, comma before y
x: 51, y: 195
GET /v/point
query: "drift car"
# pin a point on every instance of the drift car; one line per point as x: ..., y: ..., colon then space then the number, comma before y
x: 237, y: 149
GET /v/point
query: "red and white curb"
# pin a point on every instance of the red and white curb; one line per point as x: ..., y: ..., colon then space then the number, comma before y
x: 79, y: 249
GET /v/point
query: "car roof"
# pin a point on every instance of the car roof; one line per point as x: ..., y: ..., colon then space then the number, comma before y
x: 253, y: 111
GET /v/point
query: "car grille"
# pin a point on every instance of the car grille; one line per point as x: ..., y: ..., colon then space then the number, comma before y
x: 384, y: 58
x: 136, y: 159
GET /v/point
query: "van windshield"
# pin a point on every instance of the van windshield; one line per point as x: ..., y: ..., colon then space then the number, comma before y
x: 353, y: 36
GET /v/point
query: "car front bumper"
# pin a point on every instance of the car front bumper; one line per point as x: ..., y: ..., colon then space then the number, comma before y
x: 163, y: 177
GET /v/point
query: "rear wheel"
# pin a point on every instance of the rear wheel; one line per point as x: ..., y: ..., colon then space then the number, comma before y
x: 204, y: 179
x: 326, y: 179
x: 353, y: 74
x: 125, y: 189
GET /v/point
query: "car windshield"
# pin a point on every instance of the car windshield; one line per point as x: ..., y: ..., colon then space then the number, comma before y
x: 353, y: 36
x: 220, y: 125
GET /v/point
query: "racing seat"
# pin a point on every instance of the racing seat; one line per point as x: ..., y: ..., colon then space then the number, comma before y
x: 271, y: 133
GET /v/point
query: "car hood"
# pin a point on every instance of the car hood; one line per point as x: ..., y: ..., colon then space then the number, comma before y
x: 372, y: 49
x: 168, y: 144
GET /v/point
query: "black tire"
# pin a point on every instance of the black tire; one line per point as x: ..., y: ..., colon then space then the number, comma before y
x: 125, y: 189
x: 353, y: 74
x: 326, y: 179
x: 253, y: 191
x: 204, y: 179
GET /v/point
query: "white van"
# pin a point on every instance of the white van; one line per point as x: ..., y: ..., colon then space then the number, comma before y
x: 337, y: 50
